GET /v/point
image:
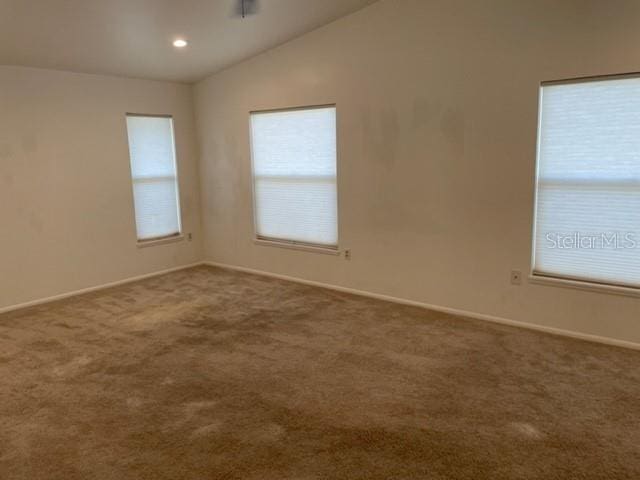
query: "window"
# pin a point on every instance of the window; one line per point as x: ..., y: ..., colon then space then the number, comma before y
x: 587, y: 222
x: 155, y: 182
x: 294, y: 175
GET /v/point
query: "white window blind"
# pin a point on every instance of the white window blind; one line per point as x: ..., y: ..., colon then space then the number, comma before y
x: 588, y: 187
x: 153, y: 170
x: 294, y: 173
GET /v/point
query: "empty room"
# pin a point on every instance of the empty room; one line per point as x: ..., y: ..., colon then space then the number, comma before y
x: 319, y: 239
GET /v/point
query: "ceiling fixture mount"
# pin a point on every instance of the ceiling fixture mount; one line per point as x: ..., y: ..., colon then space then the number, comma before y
x: 180, y: 43
x: 246, y: 7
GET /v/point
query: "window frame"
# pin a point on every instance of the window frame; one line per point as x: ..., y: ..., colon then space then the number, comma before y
x: 280, y: 242
x: 161, y: 239
x: 560, y: 280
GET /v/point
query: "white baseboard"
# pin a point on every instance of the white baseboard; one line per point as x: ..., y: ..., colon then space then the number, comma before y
x: 438, y: 308
x: 62, y: 296
x: 388, y: 298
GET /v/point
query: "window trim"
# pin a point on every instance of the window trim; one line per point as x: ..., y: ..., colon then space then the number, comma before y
x: 293, y: 245
x: 584, y: 285
x: 566, y: 281
x: 283, y: 242
x: 590, y: 79
x: 173, y: 237
x: 176, y: 237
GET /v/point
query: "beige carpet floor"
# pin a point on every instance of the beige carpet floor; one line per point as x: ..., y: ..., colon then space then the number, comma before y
x: 210, y: 374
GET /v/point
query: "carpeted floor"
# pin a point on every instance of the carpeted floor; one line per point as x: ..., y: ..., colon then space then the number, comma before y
x: 209, y: 374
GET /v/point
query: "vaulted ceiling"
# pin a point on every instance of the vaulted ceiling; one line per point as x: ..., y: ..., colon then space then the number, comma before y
x: 134, y: 38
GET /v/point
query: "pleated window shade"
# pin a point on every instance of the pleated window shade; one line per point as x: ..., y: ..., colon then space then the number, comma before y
x: 294, y: 175
x: 587, y: 222
x: 153, y: 171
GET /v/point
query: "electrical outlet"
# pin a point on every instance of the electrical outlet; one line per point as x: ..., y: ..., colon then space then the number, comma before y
x: 189, y: 236
x: 347, y: 254
x: 516, y: 277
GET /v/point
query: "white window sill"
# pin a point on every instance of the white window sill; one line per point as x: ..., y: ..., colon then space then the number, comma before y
x: 584, y: 285
x: 297, y: 246
x: 160, y: 241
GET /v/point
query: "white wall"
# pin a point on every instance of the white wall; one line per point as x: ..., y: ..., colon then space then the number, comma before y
x: 437, y: 111
x: 66, y: 202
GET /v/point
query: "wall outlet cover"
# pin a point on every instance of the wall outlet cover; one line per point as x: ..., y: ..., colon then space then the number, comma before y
x: 516, y: 277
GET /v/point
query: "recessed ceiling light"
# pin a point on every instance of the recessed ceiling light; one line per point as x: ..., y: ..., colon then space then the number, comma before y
x: 180, y: 43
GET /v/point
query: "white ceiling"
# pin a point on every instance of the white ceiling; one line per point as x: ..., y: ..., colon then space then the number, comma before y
x: 133, y: 38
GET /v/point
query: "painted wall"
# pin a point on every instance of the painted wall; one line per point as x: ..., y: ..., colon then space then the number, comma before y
x: 66, y: 201
x: 437, y: 112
